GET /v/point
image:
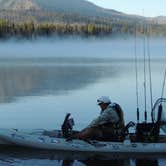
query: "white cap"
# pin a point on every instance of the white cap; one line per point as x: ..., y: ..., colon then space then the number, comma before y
x: 103, y: 99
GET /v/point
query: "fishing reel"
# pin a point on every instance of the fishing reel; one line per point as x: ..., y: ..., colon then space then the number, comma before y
x: 160, y: 117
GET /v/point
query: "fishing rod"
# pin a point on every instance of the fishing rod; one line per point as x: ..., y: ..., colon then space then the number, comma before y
x: 150, y: 73
x: 144, y: 57
x: 136, y: 72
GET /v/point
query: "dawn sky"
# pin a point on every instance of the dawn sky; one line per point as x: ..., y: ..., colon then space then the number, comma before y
x: 141, y: 7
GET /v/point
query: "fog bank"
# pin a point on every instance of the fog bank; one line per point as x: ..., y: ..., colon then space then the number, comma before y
x: 76, y: 47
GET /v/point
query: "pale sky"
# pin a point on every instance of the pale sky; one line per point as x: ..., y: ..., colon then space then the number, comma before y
x: 148, y: 8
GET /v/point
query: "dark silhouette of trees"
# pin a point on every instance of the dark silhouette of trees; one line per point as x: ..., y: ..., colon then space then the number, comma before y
x: 31, y: 29
x: 69, y: 25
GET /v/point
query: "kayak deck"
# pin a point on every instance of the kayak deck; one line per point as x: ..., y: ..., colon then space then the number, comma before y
x: 41, y: 140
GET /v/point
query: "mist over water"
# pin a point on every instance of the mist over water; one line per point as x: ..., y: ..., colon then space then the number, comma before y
x: 81, y: 47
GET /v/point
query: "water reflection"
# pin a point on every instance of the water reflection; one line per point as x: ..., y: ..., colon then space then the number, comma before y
x: 141, y: 162
x: 30, y: 77
x: 38, y: 78
x: 114, y: 162
x: 18, y: 156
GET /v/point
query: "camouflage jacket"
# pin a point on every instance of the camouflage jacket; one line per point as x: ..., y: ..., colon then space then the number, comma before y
x: 109, y: 115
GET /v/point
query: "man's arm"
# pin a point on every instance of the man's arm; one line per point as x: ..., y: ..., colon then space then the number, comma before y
x: 109, y: 115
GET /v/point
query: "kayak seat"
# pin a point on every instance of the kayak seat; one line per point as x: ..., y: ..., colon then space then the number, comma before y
x: 119, y: 135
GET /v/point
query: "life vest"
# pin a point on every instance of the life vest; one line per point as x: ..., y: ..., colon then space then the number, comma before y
x: 112, y: 131
x: 119, y: 111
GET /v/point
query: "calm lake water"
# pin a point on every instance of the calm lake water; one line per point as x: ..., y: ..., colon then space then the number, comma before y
x: 37, y: 92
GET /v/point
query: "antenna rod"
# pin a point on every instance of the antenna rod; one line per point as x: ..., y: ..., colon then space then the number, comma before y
x: 136, y: 71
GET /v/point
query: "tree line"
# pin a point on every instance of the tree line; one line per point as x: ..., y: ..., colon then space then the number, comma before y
x: 31, y: 29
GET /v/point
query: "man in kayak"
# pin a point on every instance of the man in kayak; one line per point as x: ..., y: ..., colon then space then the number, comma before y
x: 108, y: 125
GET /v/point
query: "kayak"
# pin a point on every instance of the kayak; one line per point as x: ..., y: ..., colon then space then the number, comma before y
x: 23, y: 131
x: 40, y: 140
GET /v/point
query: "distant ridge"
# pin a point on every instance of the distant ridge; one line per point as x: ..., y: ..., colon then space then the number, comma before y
x: 43, y: 10
x: 81, y: 7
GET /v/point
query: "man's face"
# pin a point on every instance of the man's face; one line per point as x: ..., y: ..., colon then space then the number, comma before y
x: 103, y: 106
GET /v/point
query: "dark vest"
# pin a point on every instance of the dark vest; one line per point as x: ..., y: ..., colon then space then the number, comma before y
x: 112, y: 131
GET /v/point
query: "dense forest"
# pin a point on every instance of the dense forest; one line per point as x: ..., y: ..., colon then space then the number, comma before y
x: 31, y: 29
x: 13, y: 24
